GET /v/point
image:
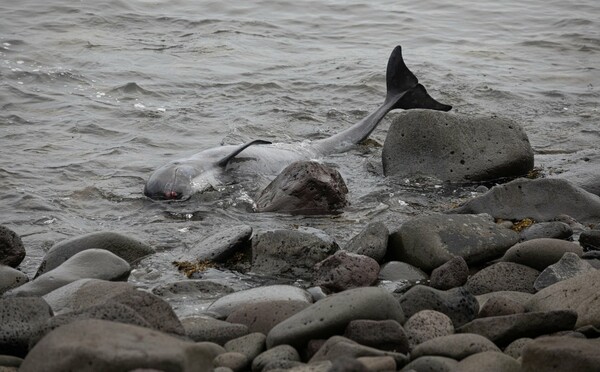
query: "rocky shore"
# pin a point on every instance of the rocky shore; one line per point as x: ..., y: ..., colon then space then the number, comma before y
x: 508, y: 281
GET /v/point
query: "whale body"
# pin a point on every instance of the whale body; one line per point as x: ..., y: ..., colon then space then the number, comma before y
x: 180, y: 179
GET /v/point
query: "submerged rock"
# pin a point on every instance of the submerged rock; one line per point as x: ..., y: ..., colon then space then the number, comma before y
x: 540, y: 199
x: 304, y: 187
x: 455, y: 147
x: 12, y: 251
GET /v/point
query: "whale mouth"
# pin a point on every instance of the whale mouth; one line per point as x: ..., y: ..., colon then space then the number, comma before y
x: 172, y: 195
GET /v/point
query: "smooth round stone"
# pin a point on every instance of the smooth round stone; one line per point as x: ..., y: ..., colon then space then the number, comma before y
x: 226, y: 304
x: 372, y: 241
x: 398, y: 271
x: 344, y: 270
x: 11, y: 278
x: 380, y: 363
x: 220, y: 246
x: 431, y: 363
x: 332, y: 314
x: 341, y: 347
x: 489, y: 361
x: 380, y: 334
x: 454, y: 273
x: 91, y: 263
x: 251, y: 345
x: 569, y: 266
x: 457, y: 346
x: 194, y: 288
x: 21, y: 318
x: 552, y: 229
x: 498, y: 306
x: 235, y: 361
x: 277, y: 353
x: 503, y: 276
x: 540, y: 253
x: 426, y: 325
x: 12, y: 251
x: 518, y: 297
x: 203, y: 328
x: 262, y: 316
x: 515, y: 348
x: 562, y: 353
x: 590, y: 239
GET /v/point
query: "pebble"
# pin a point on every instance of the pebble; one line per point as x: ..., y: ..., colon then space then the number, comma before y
x: 235, y: 361
x: 204, y: 328
x: 262, y: 316
x: 552, y: 229
x: 21, y: 318
x: 579, y: 294
x: 372, y: 241
x: 426, y: 325
x: 515, y: 348
x: 503, y: 276
x: 91, y: 263
x: 226, y: 304
x: 332, y: 314
x: 540, y: 253
x: 562, y: 353
x: 12, y: 251
x: 381, y: 334
x: 458, y: 304
x: 540, y: 199
x: 121, y: 245
x: 344, y: 270
x: 401, y: 271
x: 454, y: 273
x: 504, y: 329
x: 457, y: 346
x: 220, y: 246
x: 569, y: 266
x: 430, y: 241
x: 277, y: 353
x: 11, y: 278
x: 291, y: 253
x: 103, y: 345
x: 489, y: 361
x: 431, y: 363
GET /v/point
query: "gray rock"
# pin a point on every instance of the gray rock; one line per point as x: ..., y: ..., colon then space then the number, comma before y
x: 430, y: 241
x: 280, y: 352
x: 235, y: 361
x: 590, y: 239
x: 86, y: 293
x: 502, y: 330
x: 290, y: 252
x: 489, y: 361
x: 11, y: 278
x: 455, y: 147
x: 344, y: 270
x: 515, y: 348
x: 378, y: 363
x: 562, y: 354
x: 457, y: 346
x: 203, y: 328
x: 540, y: 199
x: 431, y: 364
x: 332, y: 314
x: 518, y: 297
x: 399, y: 271
x: 101, y: 345
x: 579, y: 294
x: 338, y: 346
x: 292, y: 365
x: 452, y: 274
x: 199, y: 289
x: 500, y: 305
x: 262, y: 316
x: 226, y: 304
x: 10, y: 361
x: 304, y: 187
x: 551, y: 230
x: 569, y: 266
x: 251, y: 345
x: 372, y: 241
x: 220, y: 246
x: 503, y: 276
x: 458, y: 304
x: 426, y: 325
x: 20, y: 320
x: 123, y: 246
x: 381, y: 334
x: 91, y: 263
x: 540, y: 253
x: 12, y: 251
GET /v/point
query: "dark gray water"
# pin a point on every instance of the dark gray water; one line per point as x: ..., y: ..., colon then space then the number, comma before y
x: 94, y: 95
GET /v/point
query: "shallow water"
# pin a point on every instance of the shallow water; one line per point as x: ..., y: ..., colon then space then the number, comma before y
x: 97, y: 94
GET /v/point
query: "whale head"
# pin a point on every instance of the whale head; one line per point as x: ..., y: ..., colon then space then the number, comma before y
x: 173, y: 181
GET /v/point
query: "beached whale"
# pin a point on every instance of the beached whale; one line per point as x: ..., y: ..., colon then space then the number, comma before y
x: 222, y: 165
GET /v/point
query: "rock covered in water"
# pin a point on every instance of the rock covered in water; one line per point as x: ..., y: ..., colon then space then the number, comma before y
x: 304, y: 187
x: 455, y: 147
x: 290, y: 252
x: 430, y: 241
x: 21, y: 319
x: 109, y: 346
x: 503, y: 276
x: 344, y: 270
x: 540, y: 253
x: 12, y: 251
x: 91, y: 263
x: 372, y: 241
x: 569, y: 266
x: 222, y: 245
x: 121, y: 245
x: 540, y: 199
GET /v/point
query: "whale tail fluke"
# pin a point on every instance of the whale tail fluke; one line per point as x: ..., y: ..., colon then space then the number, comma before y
x: 404, y: 88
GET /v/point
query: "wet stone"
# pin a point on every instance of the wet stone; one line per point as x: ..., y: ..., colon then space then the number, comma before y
x: 552, y: 230
x: 21, y: 319
x: 569, y: 266
x: 401, y: 271
x: 344, y: 270
x: 12, y: 251
x: 503, y: 276
x: 11, y: 278
x: 452, y: 274
x: 380, y: 334
x: 540, y: 253
x: 251, y: 345
x: 262, y: 316
x: 212, y: 330
x: 222, y: 245
x: 372, y: 241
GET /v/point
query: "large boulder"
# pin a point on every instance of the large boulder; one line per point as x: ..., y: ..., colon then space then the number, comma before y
x: 100, y: 345
x: 430, y: 241
x: 540, y: 199
x: 455, y: 147
x: 12, y: 251
x: 304, y: 187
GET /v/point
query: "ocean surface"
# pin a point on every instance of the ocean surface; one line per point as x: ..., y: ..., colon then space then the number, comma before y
x: 95, y: 95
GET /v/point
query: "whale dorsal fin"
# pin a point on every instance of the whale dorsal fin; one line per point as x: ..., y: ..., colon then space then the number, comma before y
x: 223, y: 162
